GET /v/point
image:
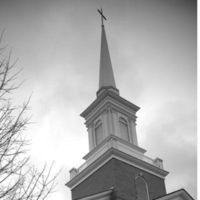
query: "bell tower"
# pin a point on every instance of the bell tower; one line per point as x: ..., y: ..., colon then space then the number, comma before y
x: 115, y: 167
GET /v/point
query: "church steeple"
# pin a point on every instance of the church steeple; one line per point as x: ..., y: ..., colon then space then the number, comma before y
x: 106, y: 75
x: 115, y: 167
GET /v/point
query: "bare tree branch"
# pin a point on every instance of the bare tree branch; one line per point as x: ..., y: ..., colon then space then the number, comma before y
x: 19, y: 180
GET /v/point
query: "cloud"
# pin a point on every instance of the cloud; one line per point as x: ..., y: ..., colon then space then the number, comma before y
x: 171, y: 135
x: 153, y: 52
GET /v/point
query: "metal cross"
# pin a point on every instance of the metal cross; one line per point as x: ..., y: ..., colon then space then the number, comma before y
x: 102, y: 16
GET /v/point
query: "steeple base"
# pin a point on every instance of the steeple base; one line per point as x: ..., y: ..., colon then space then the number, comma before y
x: 110, y: 88
x: 119, y: 177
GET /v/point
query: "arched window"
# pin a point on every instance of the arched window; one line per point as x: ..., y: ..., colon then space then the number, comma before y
x: 142, y: 192
x: 124, y: 129
x: 98, y: 132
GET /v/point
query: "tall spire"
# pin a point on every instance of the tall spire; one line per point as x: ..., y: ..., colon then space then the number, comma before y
x: 106, y: 75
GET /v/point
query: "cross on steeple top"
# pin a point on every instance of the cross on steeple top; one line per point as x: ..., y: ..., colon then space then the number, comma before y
x: 102, y: 16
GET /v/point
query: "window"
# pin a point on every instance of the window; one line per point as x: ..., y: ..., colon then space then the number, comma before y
x: 98, y: 132
x: 142, y: 192
x: 124, y: 129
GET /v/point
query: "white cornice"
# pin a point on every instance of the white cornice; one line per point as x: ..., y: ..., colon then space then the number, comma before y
x: 119, y: 141
x: 107, y: 156
x: 111, y: 94
x: 109, y: 101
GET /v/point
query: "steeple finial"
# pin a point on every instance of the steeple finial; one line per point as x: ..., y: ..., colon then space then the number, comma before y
x: 102, y: 16
x: 106, y: 75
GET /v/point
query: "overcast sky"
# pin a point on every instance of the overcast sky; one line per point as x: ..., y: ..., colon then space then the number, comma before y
x: 153, y: 51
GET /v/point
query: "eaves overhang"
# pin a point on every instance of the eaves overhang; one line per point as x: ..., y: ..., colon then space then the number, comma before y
x: 113, y: 95
x: 115, y: 154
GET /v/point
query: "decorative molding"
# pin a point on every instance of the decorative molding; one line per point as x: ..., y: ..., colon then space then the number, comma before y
x: 113, y: 96
x: 128, y: 145
x: 102, y: 89
x: 104, y: 111
x: 88, y: 168
x: 112, y: 103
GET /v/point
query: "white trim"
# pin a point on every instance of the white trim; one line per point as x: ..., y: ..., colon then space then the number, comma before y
x: 86, y: 176
x: 121, y: 144
x: 138, y: 166
x: 94, y: 168
x: 90, y: 138
x: 118, y: 106
x: 112, y: 96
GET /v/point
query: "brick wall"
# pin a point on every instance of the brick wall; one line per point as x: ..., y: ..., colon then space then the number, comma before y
x: 119, y: 175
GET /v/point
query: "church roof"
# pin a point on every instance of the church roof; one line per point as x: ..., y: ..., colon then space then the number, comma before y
x: 181, y: 194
